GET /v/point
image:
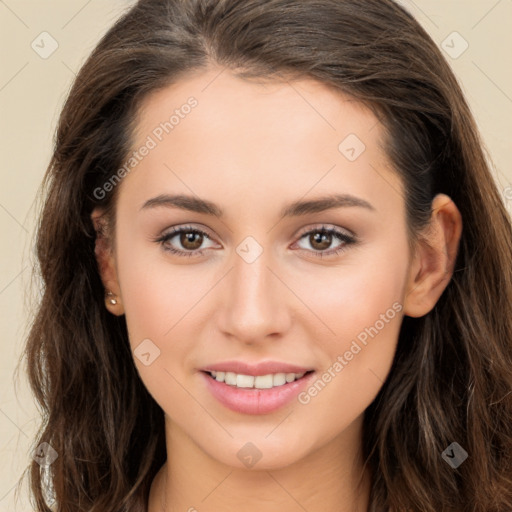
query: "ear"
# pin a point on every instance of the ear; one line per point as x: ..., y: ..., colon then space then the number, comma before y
x: 105, y: 258
x: 432, y: 267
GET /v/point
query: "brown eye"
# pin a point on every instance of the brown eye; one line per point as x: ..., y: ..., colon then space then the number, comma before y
x: 185, y: 241
x: 191, y: 240
x: 320, y: 240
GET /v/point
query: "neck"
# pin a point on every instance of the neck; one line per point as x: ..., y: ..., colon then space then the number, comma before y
x: 332, y: 478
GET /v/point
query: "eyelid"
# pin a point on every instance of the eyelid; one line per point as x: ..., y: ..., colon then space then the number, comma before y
x: 172, y: 230
x: 326, y: 227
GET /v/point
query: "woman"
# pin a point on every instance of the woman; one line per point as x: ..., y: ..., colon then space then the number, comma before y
x: 277, y: 271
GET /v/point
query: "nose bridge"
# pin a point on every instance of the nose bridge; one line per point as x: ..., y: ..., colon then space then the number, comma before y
x: 255, y: 306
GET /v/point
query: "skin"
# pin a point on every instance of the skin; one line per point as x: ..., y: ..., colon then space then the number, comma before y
x: 253, y: 148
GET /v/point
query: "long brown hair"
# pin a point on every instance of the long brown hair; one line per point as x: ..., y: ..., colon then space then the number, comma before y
x: 451, y: 379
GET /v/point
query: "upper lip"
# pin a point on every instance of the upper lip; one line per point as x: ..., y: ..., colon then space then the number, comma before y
x: 263, y: 368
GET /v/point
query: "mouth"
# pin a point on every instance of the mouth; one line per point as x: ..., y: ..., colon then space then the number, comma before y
x: 268, y: 381
x: 255, y: 394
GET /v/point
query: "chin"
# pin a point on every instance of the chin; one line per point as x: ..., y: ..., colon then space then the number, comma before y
x: 260, y: 453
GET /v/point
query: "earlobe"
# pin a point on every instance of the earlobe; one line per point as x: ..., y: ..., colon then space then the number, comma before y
x: 113, y: 303
x: 434, y: 260
x: 106, y: 263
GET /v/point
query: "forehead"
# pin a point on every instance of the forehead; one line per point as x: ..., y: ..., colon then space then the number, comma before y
x: 225, y: 102
x: 213, y: 132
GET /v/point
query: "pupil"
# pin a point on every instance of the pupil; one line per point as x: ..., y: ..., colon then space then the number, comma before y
x: 187, y: 240
x: 324, y: 239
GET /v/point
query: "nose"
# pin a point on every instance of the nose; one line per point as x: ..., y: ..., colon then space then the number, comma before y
x: 255, y: 307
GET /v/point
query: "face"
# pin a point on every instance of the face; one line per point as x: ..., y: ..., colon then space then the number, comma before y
x: 285, y: 254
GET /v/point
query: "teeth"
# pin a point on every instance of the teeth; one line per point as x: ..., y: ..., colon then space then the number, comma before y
x: 230, y: 378
x: 264, y: 381
x: 259, y: 382
x: 244, y: 381
x: 290, y: 377
x: 279, y: 379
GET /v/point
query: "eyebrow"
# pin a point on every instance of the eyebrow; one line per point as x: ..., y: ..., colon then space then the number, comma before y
x: 297, y: 208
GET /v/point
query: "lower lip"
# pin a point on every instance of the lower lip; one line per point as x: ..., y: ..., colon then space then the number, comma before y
x: 255, y: 401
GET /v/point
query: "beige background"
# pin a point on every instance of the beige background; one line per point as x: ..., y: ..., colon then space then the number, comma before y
x: 32, y: 90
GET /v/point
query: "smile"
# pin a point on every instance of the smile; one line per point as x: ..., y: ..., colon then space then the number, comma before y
x: 268, y: 381
x: 260, y: 394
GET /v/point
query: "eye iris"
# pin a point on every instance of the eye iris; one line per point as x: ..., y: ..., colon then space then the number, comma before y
x: 187, y: 238
x: 322, y: 238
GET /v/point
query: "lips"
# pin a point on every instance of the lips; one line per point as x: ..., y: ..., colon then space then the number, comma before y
x: 255, y: 400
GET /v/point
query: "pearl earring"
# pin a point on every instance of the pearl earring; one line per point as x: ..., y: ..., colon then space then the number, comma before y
x: 113, y: 300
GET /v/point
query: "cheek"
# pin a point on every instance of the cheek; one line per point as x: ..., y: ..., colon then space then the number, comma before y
x: 162, y: 304
x: 359, y: 313
x: 356, y: 363
x: 155, y: 293
x: 364, y: 291
x: 156, y: 302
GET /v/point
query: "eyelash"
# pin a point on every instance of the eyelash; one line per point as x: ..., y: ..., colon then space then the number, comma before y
x: 347, y: 239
